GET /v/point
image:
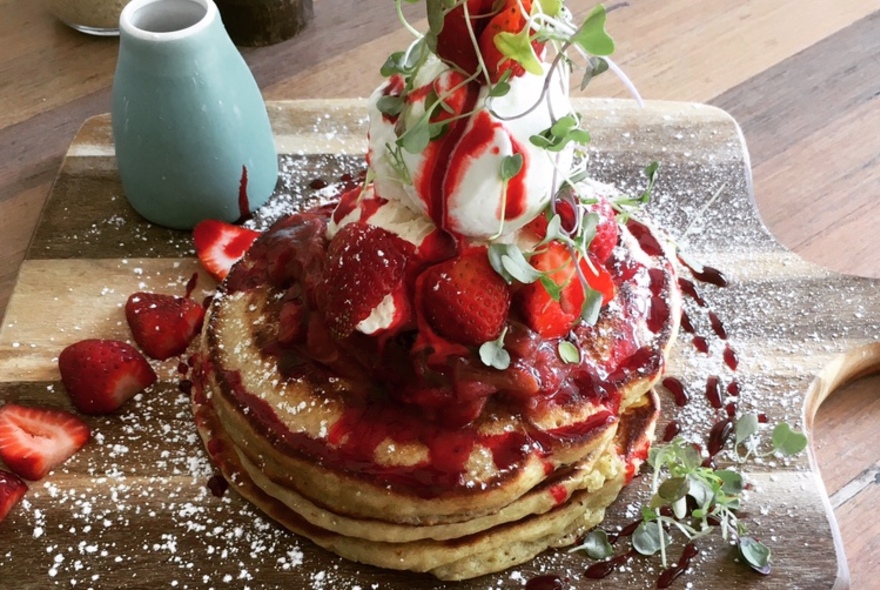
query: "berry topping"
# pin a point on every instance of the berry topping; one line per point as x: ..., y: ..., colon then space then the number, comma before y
x: 606, y: 231
x: 553, y: 315
x: 33, y: 441
x: 12, y: 489
x: 365, y: 264
x: 464, y: 300
x: 219, y: 245
x: 101, y: 375
x: 163, y: 325
x: 454, y: 45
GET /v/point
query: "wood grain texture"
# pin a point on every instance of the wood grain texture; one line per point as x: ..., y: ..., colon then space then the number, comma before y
x: 800, y: 77
x: 140, y: 487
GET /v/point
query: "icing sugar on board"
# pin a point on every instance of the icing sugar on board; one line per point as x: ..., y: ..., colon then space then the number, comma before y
x: 134, y: 509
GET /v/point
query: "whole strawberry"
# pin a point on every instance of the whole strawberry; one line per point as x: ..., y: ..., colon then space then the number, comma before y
x: 33, y: 441
x: 365, y: 264
x: 101, y: 375
x: 163, y: 325
x: 464, y: 300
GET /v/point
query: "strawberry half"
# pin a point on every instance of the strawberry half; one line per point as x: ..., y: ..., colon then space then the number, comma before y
x: 12, y: 489
x: 464, y: 300
x: 545, y: 315
x: 365, y: 264
x: 219, y: 245
x: 510, y: 19
x: 33, y: 441
x: 163, y: 325
x: 454, y: 44
x: 101, y: 375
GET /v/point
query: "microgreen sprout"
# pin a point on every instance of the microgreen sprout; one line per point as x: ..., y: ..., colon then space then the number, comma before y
x: 691, y: 499
x: 492, y: 353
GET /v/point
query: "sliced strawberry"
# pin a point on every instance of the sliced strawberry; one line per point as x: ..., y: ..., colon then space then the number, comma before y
x: 365, y: 264
x: 219, y: 245
x: 163, y: 325
x: 454, y: 43
x: 12, y: 489
x: 554, y: 318
x: 33, y: 441
x: 607, y: 231
x: 510, y: 19
x: 463, y: 299
x: 101, y: 375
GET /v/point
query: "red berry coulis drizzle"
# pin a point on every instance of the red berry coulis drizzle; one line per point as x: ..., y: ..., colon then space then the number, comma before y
x: 669, y: 575
x: 719, y: 433
x: 546, y: 582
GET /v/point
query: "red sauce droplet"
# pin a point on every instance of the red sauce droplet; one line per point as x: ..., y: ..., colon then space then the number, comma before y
x: 686, y: 324
x: 718, y: 436
x: 559, y: 494
x: 191, y: 284
x: 733, y: 388
x: 672, y: 430
x: 624, y: 532
x: 676, y: 388
x: 218, y: 485
x: 713, y: 392
x: 603, y: 569
x: 710, y: 275
x: 244, y: 206
x: 318, y: 184
x: 762, y: 418
x: 689, y: 289
x: 717, y: 326
x: 546, y: 582
x: 701, y: 344
x: 730, y: 358
x: 185, y: 386
x: 669, y: 575
x: 182, y: 368
x: 730, y: 409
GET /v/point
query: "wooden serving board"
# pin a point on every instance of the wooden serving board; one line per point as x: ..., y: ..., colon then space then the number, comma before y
x: 133, y: 508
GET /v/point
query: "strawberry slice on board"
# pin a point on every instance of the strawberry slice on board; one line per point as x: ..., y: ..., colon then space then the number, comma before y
x: 219, y: 245
x: 463, y: 299
x: 365, y: 265
x: 101, y: 375
x: 12, y: 490
x: 163, y: 325
x: 551, y: 317
x: 33, y: 441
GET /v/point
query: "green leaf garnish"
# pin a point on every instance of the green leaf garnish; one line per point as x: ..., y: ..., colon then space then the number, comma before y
x: 746, y: 427
x: 649, y: 538
x: 511, y: 166
x: 390, y: 105
x: 755, y: 553
x: 518, y: 47
x: 591, y: 37
x: 788, y: 441
x: 492, y: 353
x: 595, y: 544
x: 568, y: 352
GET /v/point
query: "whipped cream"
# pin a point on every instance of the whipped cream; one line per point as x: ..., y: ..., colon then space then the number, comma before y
x: 456, y: 181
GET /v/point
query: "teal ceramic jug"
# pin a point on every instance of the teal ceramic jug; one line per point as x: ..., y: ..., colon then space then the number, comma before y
x: 190, y: 127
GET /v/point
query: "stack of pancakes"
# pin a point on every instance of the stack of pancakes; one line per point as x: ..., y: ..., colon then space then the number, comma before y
x: 372, y: 480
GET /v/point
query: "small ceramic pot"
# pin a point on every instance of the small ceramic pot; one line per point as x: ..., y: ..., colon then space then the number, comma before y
x: 192, y: 136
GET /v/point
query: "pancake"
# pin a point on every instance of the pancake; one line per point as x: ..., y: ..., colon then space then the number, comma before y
x: 325, y: 449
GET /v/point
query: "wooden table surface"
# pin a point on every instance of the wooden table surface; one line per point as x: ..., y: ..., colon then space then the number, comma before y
x: 802, y: 77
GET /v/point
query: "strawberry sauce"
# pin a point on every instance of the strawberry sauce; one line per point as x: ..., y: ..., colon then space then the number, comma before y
x: 395, y: 394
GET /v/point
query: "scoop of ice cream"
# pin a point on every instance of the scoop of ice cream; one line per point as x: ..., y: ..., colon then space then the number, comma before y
x: 457, y: 179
